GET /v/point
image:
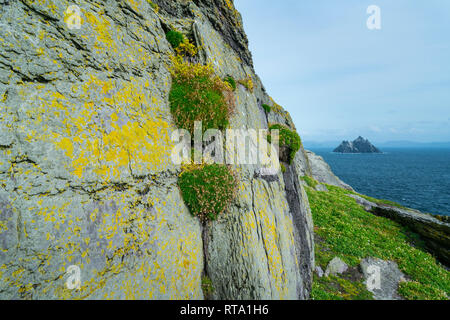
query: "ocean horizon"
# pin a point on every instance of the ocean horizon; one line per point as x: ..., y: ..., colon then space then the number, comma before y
x: 417, y: 178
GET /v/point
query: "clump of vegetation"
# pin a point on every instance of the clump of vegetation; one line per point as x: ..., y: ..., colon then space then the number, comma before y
x: 175, y: 38
x: 283, y: 168
x: 207, y: 287
x: 208, y: 189
x: 247, y: 83
x: 267, y: 108
x: 339, y: 288
x: 186, y: 49
x: 153, y: 5
x: 288, y: 138
x: 343, y: 228
x: 197, y: 94
x: 230, y: 80
x: 276, y: 108
x: 311, y: 182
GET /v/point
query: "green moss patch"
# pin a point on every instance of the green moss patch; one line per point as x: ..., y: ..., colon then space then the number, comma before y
x: 344, y: 229
x: 288, y: 138
x: 207, y: 190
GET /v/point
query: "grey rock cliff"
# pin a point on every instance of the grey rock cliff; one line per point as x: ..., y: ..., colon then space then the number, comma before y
x: 85, y: 171
x: 321, y: 171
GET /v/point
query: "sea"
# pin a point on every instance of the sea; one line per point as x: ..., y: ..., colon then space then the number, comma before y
x: 414, y: 178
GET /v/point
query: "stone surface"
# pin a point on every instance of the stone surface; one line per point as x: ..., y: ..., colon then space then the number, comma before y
x: 360, y: 145
x: 321, y: 171
x: 321, y: 187
x: 85, y: 171
x: 433, y: 231
x: 382, y: 278
x: 319, y: 272
x: 336, y: 266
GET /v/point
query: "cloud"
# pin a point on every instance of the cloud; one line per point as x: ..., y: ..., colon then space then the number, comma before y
x: 375, y: 128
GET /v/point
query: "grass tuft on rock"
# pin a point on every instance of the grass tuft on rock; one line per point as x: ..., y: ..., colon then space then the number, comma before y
x: 207, y: 190
x: 207, y: 287
x: 247, y: 83
x: 175, y: 38
x: 311, y: 182
x: 186, y: 49
x: 267, y: 108
x: 288, y: 138
x: 197, y: 94
x: 230, y: 80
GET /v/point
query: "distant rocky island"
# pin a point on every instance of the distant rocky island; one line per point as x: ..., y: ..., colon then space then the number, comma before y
x: 360, y: 145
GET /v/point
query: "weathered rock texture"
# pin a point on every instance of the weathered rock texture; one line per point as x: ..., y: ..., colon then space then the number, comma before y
x: 321, y: 171
x: 434, y: 232
x: 335, y: 267
x: 85, y: 171
x: 382, y: 278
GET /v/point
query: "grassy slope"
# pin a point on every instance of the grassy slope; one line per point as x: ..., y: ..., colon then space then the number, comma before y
x: 344, y: 229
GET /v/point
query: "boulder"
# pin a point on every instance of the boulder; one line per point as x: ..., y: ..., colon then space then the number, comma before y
x: 382, y: 278
x: 336, y: 266
x: 319, y: 271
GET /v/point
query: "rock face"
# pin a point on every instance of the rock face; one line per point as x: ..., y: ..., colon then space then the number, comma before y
x: 321, y: 171
x: 382, y: 278
x: 85, y: 173
x: 335, y: 267
x: 360, y: 145
x: 434, y: 232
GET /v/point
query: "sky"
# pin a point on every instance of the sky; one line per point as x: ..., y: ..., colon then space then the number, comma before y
x: 339, y: 80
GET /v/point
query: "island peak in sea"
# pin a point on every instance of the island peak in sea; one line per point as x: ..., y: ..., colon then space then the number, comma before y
x: 360, y: 145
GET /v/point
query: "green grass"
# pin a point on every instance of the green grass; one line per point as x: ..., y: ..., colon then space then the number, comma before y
x: 175, y: 38
x: 207, y: 287
x: 311, y: 182
x: 344, y: 229
x: 207, y: 190
x: 288, y: 138
x: 198, y: 95
x: 230, y: 80
x: 339, y: 288
x: 267, y: 108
